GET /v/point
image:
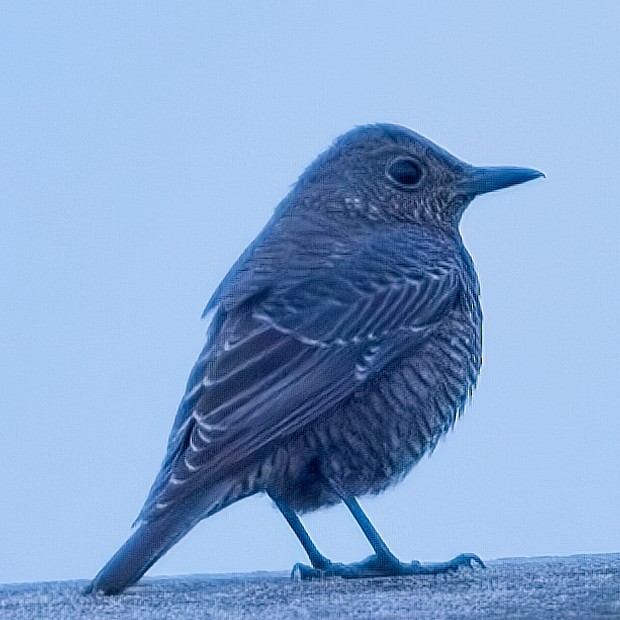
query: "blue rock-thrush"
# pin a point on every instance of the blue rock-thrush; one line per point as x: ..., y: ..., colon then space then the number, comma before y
x: 343, y: 343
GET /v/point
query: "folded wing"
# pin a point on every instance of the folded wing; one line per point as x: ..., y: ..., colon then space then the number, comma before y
x: 286, y: 354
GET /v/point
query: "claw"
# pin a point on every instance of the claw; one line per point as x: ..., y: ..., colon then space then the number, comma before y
x: 302, y: 572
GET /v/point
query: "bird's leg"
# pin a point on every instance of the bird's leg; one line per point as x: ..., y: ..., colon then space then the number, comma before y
x: 374, y: 538
x: 383, y: 556
x: 384, y: 563
x: 320, y: 564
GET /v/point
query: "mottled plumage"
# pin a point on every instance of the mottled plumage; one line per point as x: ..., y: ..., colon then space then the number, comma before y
x: 343, y: 344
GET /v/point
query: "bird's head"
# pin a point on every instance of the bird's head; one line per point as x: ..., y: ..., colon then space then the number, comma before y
x: 387, y: 172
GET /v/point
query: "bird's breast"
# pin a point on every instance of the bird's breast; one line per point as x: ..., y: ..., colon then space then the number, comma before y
x: 374, y: 438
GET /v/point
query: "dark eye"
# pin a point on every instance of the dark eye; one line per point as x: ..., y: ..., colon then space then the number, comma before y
x: 405, y: 171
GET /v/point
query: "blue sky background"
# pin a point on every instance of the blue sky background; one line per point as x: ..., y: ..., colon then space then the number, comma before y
x: 144, y: 145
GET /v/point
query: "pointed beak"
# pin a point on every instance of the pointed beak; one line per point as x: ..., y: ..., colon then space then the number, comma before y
x: 483, y: 180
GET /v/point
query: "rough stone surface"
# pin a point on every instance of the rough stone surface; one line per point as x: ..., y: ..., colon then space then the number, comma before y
x: 584, y: 587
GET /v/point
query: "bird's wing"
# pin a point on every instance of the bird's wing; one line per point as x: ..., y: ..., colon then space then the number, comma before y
x: 280, y: 359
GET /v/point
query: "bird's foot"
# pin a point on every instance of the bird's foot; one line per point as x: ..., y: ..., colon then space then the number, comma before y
x: 379, y: 566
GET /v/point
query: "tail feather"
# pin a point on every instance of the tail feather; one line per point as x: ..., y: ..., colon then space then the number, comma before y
x: 142, y: 549
x: 159, y: 532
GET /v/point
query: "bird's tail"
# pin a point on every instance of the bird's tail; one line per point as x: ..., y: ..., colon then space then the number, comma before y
x: 157, y: 534
x: 143, y: 548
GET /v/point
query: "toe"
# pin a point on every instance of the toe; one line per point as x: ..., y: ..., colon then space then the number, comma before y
x: 467, y: 559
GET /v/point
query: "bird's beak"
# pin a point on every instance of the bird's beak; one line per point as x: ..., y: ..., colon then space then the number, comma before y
x: 482, y: 180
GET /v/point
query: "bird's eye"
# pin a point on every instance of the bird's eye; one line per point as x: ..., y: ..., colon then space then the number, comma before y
x: 405, y: 171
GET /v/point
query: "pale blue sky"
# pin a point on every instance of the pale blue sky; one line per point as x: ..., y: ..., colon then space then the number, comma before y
x: 144, y: 145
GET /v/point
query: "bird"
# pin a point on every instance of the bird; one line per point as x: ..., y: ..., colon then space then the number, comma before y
x: 344, y: 342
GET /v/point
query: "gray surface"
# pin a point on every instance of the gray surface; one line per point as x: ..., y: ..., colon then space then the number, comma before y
x: 584, y: 587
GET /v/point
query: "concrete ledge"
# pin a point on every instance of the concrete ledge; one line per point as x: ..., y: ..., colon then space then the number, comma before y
x: 549, y: 588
